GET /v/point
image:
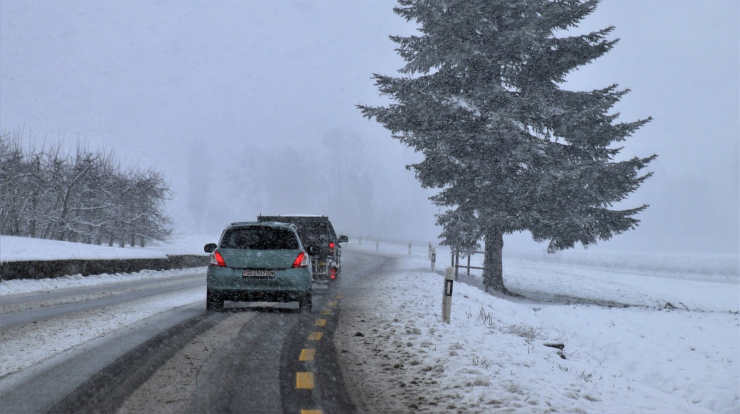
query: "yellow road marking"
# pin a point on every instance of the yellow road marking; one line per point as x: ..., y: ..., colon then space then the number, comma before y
x: 311, y: 412
x: 315, y: 336
x: 307, y: 354
x: 304, y: 380
x: 326, y: 312
x: 320, y: 322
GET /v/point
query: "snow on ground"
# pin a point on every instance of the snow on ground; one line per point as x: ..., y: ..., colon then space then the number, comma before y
x: 13, y: 248
x: 553, y: 279
x: 492, y: 358
x: 184, y: 243
x: 717, y: 266
x: 30, y: 344
x: 704, y: 266
x: 542, y: 280
x: 19, y: 286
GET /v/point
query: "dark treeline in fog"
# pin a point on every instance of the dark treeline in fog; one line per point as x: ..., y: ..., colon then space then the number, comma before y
x: 83, y: 197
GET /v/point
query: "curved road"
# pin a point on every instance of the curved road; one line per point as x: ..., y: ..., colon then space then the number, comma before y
x: 247, y: 359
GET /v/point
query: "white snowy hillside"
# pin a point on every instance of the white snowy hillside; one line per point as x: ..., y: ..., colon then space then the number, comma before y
x: 13, y: 248
x: 184, y: 243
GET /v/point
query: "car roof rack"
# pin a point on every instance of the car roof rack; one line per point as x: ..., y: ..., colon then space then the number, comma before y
x: 262, y: 223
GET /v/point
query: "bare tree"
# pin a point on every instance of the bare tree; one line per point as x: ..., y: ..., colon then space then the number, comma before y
x: 84, y: 197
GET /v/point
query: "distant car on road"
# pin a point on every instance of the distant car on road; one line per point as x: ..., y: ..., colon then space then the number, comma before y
x: 259, y: 261
x: 317, y: 231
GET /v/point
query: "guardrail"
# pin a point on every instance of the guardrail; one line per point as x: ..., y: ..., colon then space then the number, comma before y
x: 39, y: 269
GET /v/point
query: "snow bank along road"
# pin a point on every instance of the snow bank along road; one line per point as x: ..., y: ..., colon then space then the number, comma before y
x: 638, y: 357
x: 141, y: 343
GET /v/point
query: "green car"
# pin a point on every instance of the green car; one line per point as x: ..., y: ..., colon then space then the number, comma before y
x: 259, y: 261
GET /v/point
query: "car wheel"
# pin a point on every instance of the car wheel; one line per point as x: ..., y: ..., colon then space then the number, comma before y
x: 305, y: 304
x: 214, y: 302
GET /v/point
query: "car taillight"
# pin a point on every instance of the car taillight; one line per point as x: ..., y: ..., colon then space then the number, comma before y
x: 301, y: 260
x: 217, y: 260
x: 333, y: 273
x: 331, y: 245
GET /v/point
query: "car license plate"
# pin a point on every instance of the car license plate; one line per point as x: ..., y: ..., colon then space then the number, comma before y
x: 258, y: 273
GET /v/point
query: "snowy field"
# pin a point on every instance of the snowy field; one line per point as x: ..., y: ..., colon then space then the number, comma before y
x: 492, y: 358
x: 13, y: 248
x: 704, y: 282
x: 185, y: 243
x: 715, y: 266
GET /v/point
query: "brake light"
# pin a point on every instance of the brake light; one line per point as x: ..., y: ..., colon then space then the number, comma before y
x: 301, y: 260
x: 331, y: 245
x: 333, y: 273
x: 217, y: 259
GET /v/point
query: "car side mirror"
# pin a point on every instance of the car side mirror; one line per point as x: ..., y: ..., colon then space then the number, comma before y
x: 210, y: 247
x: 343, y: 239
x: 312, y: 250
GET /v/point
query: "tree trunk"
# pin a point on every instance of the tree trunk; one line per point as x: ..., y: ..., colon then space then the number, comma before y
x: 493, y: 276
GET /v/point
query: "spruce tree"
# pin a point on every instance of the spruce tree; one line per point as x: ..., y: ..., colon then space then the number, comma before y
x: 482, y: 97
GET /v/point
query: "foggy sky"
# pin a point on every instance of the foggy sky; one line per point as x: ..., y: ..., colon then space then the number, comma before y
x: 248, y: 107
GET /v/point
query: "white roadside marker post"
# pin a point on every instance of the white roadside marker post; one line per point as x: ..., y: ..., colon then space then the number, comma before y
x: 447, y: 296
x: 433, y: 256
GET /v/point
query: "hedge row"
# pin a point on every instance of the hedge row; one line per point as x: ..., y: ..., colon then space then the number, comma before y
x: 40, y: 269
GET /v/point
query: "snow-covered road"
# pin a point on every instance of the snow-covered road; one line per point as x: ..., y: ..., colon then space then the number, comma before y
x: 107, y: 343
x: 52, y: 319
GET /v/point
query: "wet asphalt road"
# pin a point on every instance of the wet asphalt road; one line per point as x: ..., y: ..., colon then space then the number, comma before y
x: 246, y: 359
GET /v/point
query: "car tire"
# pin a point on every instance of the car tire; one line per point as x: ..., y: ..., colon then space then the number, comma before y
x: 214, y: 301
x: 305, y: 304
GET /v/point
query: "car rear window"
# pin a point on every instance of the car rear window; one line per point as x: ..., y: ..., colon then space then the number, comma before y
x: 314, y: 232
x: 311, y: 230
x: 259, y: 238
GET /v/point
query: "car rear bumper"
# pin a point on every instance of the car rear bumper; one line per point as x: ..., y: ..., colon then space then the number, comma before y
x: 258, y: 295
x: 229, y: 282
